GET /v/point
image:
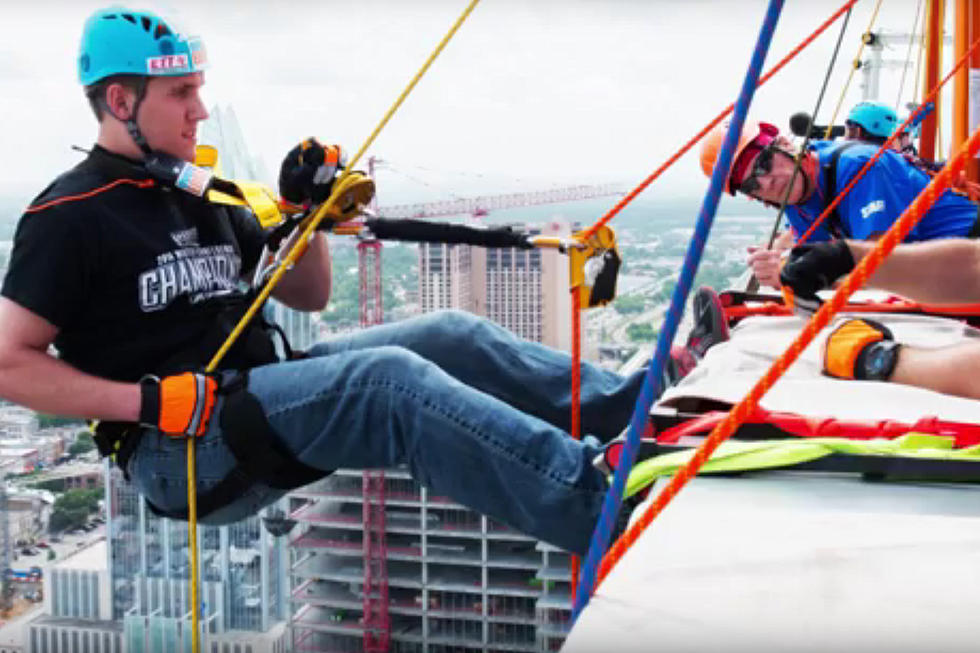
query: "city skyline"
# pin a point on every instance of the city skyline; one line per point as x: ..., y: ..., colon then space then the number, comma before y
x: 525, y: 97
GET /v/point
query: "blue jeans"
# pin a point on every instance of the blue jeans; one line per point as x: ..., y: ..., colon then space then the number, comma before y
x: 475, y: 413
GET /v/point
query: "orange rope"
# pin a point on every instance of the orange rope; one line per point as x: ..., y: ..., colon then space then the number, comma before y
x: 576, y: 397
x: 741, y: 411
x: 139, y: 183
x: 711, y: 125
x: 901, y: 305
x: 887, y: 145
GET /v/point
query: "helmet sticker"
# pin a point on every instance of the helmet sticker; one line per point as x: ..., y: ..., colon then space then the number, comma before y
x: 168, y: 63
x: 199, y: 56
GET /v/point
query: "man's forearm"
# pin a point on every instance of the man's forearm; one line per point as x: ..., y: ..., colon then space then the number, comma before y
x: 307, y: 286
x: 950, y: 370
x: 43, y: 383
x: 935, y: 272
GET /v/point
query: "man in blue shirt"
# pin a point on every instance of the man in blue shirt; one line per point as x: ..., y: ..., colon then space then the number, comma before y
x: 877, y: 199
x: 763, y: 169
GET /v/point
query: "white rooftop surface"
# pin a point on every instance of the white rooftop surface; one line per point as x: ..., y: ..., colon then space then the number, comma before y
x: 730, y: 369
x: 93, y: 557
x: 17, y: 451
x: 796, y: 561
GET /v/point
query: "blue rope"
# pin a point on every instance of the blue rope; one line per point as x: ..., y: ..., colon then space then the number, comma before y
x: 651, y: 382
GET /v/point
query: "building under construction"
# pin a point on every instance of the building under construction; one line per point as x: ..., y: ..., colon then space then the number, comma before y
x: 456, y: 580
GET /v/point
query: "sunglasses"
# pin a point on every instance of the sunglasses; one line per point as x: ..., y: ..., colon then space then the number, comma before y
x: 760, y: 167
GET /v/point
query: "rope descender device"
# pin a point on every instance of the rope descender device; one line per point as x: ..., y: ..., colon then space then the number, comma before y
x: 593, y: 263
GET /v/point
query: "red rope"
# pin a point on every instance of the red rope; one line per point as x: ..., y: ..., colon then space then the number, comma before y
x: 741, y: 411
x: 711, y: 125
x: 576, y: 397
x: 899, y: 305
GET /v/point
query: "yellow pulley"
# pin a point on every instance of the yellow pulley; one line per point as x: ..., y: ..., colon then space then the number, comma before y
x: 353, y: 193
x: 593, y: 263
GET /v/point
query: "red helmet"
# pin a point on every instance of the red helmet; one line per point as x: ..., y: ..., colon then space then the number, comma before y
x: 754, y: 137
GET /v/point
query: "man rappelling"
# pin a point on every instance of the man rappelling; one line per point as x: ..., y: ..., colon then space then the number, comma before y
x: 136, y: 282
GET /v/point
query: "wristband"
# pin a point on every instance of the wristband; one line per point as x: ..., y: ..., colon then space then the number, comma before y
x: 150, y: 400
x: 860, y: 349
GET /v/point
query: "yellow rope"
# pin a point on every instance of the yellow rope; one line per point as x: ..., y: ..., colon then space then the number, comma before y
x: 291, y: 257
x: 908, y: 58
x: 854, y: 66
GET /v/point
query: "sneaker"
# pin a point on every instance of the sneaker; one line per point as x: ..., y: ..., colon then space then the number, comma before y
x: 682, y: 360
x: 710, y: 325
x: 607, y: 462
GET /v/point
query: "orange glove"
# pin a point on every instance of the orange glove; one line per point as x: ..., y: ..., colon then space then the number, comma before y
x: 179, y: 405
x: 860, y: 349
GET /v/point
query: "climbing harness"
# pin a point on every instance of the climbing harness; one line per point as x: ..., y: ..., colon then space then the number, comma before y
x: 835, y: 223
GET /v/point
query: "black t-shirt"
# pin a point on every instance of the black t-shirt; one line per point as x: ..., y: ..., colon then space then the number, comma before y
x: 130, y: 272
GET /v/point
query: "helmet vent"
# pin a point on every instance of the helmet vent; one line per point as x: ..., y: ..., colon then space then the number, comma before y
x: 161, y: 31
x: 129, y: 17
x: 146, y: 23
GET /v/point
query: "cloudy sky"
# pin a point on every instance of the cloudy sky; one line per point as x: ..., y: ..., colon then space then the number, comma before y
x: 528, y: 95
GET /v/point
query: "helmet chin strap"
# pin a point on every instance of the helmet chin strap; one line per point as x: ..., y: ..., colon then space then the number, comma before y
x: 131, y: 127
x: 808, y: 170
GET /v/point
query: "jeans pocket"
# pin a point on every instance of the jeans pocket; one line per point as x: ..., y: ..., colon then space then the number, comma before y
x: 158, y: 468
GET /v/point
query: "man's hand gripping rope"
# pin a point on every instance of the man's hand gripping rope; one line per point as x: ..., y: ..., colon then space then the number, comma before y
x: 179, y: 405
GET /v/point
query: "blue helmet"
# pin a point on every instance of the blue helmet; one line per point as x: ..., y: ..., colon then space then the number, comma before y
x: 876, y: 118
x: 119, y: 41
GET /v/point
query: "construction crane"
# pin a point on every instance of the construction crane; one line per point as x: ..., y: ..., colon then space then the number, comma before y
x: 6, y: 586
x: 376, y: 620
x: 374, y: 602
x: 482, y: 205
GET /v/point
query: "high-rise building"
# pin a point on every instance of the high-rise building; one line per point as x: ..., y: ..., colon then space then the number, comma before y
x: 525, y: 291
x: 221, y: 130
x: 78, y: 608
x: 242, y: 569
